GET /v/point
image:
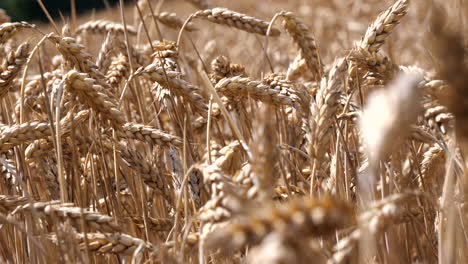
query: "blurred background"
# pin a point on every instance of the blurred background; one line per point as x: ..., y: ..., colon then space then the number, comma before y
x: 29, y: 10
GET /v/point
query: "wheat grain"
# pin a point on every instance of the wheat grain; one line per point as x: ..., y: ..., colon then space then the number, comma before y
x: 149, y: 134
x: 222, y: 67
x: 104, y: 27
x: 103, y: 60
x: 366, y: 53
x: 109, y: 243
x: 322, y: 113
x: 238, y: 86
x: 169, y: 80
x: 173, y: 21
x: 93, y: 94
x: 376, y: 220
x: 265, y: 153
x: 8, y: 203
x: 55, y: 210
x: 74, y: 52
x: 306, y: 42
x: 11, y: 66
x: 118, y: 70
x: 155, y: 224
x: 432, y: 163
x: 9, y: 30
x: 233, y: 19
x: 150, y: 174
x: 14, y: 135
x: 297, y: 217
x: 18, y: 134
x: 297, y: 69
x: 381, y: 28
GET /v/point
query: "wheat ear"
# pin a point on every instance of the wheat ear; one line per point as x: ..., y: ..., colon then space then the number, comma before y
x: 237, y: 20
x: 9, y: 30
x: 11, y: 66
x: 104, y: 27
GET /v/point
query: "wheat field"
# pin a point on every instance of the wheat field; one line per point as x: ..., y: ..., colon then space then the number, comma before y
x: 215, y: 131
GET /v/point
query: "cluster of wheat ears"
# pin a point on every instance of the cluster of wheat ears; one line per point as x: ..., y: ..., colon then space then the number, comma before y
x: 118, y: 145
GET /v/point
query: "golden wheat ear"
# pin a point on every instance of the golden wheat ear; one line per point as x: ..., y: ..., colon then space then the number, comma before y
x: 11, y: 66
